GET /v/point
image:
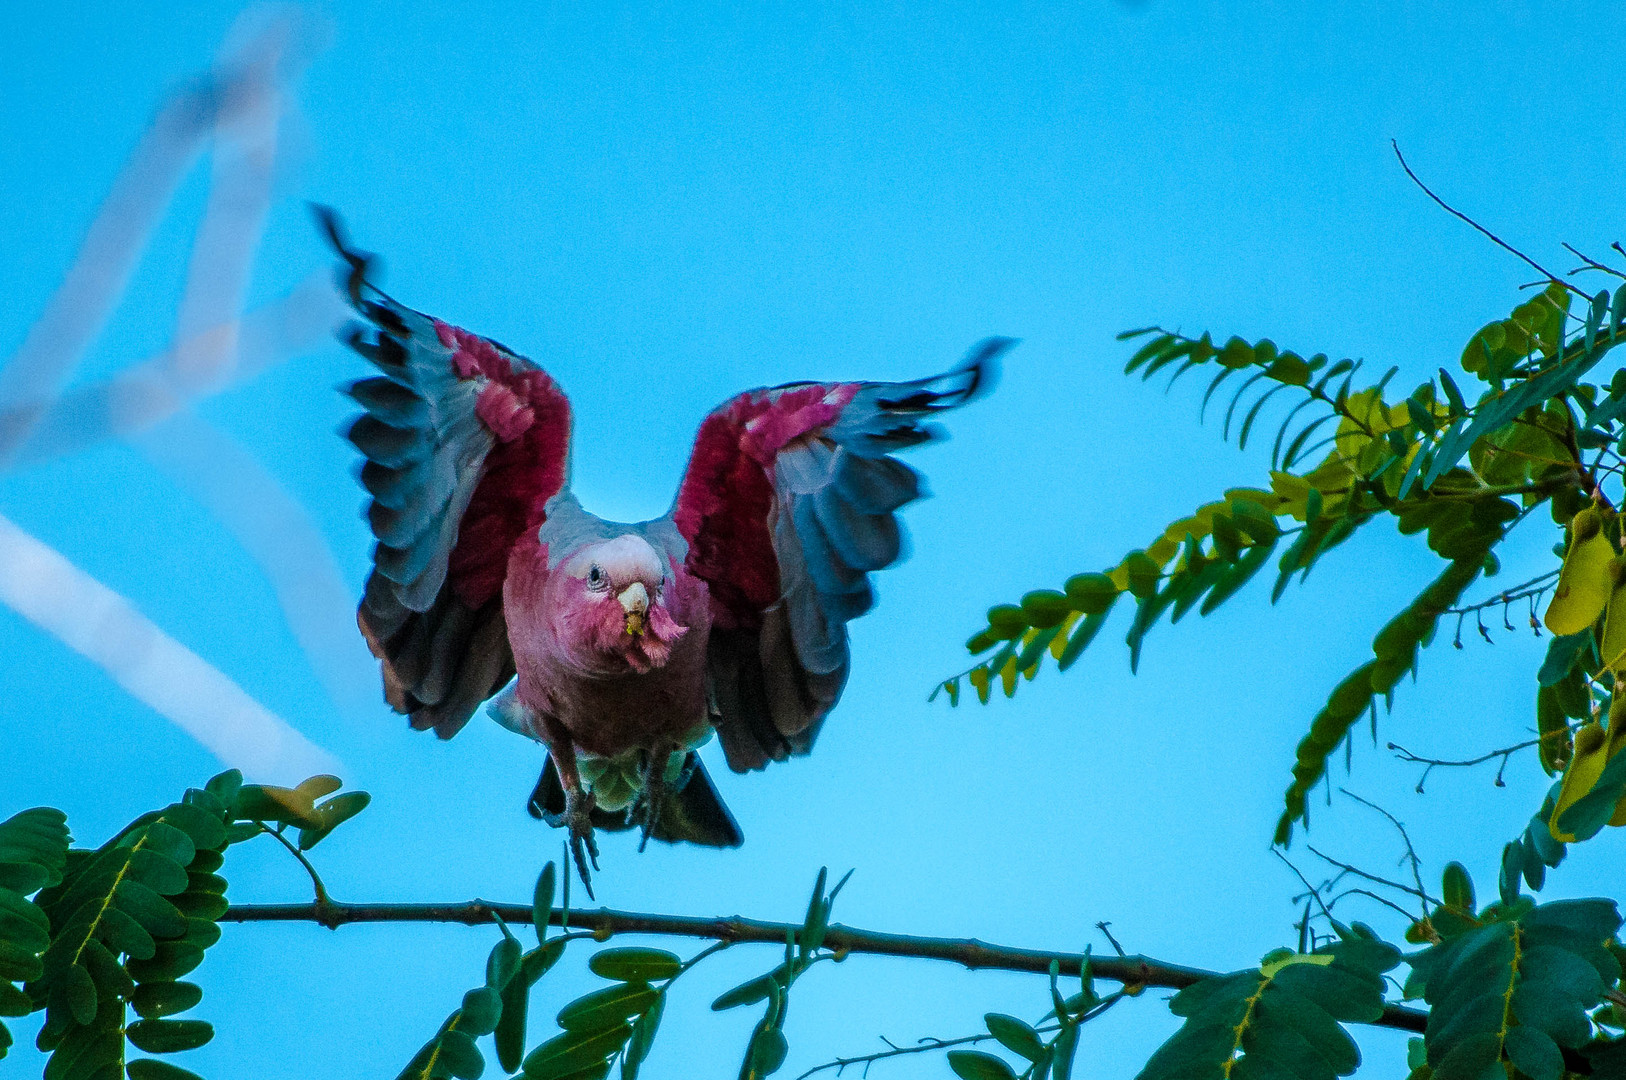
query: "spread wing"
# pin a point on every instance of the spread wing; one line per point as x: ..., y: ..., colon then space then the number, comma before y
x: 789, y: 501
x: 465, y: 443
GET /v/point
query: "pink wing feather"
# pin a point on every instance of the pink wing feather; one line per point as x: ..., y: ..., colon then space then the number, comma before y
x: 788, y: 502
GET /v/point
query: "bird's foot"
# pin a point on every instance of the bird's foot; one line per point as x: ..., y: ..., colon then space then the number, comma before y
x: 652, y: 799
x: 583, y: 846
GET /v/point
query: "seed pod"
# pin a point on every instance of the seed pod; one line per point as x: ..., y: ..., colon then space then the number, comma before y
x: 1584, y: 582
x: 1617, y: 743
x: 1612, y: 649
x: 1591, y: 754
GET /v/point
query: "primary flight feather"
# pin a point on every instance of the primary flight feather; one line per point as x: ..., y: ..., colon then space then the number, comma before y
x: 631, y: 642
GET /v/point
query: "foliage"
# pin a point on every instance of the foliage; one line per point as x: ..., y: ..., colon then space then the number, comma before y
x: 1462, y: 474
x: 95, y: 934
x: 1281, y: 1018
x: 1512, y: 990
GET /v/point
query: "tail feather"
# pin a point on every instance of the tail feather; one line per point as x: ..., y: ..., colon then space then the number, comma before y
x: 694, y: 812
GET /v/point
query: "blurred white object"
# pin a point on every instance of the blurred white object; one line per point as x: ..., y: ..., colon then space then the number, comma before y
x: 154, y: 668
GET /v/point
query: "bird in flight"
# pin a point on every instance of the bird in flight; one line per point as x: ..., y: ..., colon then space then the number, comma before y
x: 632, y: 642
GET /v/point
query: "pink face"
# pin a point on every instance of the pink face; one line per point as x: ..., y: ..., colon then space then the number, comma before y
x: 612, y: 600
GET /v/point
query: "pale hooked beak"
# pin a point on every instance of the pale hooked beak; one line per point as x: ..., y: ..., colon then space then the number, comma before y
x: 635, y: 602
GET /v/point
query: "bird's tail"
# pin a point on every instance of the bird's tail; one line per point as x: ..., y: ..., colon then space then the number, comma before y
x: 692, y: 811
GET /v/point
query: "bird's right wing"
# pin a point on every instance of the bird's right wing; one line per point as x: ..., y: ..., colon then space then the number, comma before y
x: 465, y: 443
x: 789, y: 502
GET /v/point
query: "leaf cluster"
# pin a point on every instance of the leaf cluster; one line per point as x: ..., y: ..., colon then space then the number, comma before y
x: 1283, y: 1019
x: 1041, y: 1057
x: 1514, y: 986
x: 96, y: 934
x: 1461, y: 471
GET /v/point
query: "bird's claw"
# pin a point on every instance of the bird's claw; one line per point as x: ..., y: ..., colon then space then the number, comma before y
x: 652, y: 798
x: 583, y: 845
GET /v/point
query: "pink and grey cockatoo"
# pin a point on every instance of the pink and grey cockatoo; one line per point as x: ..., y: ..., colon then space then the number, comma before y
x: 632, y: 642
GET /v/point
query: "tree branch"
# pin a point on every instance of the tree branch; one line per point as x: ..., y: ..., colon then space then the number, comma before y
x: 1134, y: 972
x: 1497, y: 240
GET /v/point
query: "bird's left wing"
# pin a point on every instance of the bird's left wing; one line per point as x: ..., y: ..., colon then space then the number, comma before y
x: 788, y: 502
x: 465, y: 444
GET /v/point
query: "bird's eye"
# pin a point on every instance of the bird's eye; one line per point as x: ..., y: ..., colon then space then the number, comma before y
x: 595, y: 577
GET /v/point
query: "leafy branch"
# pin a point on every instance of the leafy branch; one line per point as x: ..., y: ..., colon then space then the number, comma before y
x: 1464, y: 473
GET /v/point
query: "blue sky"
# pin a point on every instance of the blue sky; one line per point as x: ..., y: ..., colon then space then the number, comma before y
x: 668, y: 205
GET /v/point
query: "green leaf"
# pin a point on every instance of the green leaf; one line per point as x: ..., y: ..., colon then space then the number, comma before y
x: 1551, y: 1008
x: 264, y: 802
x: 1475, y: 1058
x: 33, y: 849
x: 751, y: 991
x: 643, y: 1037
x: 573, y: 1052
x: 634, y: 964
x: 153, y: 1069
x: 1596, y: 919
x: 1534, y: 1053
x: 542, y: 905
x: 331, y: 814
x: 13, y: 1002
x: 204, y: 829
x: 607, y: 1008
x: 1082, y: 636
x: 766, y: 1053
x: 1143, y: 572
x: 1044, y: 608
x: 1091, y: 593
x: 1066, y: 1047
x: 79, y: 991
x: 169, y: 1036
x: 480, y: 1010
x: 170, y: 960
x: 1015, y: 1036
x: 460, y: 1056
x: 1458, y: 888
x: 502, y: 963
x: 1592, y: 811
x: 152, y: 1000
x: 976, y: 1065
x: 318, y: 786
x: 156, y: 915
x: 225, y: 786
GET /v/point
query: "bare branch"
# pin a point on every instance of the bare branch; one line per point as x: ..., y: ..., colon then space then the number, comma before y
x: 1497, y: 240
x: 1132, y: 970
x: 1591, y: 263
x: 1358, y: 872
x: 1504, y: 753
x: 1405, y: 837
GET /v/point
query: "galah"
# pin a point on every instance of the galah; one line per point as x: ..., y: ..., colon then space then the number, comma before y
x: 634, y: 642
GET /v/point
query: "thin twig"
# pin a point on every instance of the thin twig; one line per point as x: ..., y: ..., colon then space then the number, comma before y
x: 1591, y: 263
x: 1405, y: 837
x: 1131, y: 970
x: 1102, y: 926
x: 1370, y: 895
x: 1504, y: 753
x: 926, y: 1045
x: 1534, y: 587
x: 1358, y: 872
x: 1497, y: 240
x: 324, y: 903
x: 1313, y: 891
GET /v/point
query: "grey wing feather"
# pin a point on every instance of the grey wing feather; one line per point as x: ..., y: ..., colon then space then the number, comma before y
x: 425, y: 449
x: 833, y: 521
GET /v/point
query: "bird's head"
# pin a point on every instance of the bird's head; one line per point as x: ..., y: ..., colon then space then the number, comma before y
x: 615, y: 602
